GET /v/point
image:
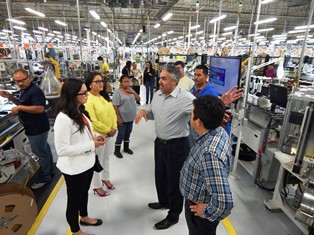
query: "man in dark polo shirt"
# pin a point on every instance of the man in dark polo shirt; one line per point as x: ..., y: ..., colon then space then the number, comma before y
x: 30, y: 108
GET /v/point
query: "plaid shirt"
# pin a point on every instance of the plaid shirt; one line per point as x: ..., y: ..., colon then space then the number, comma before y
x: 204, y: 176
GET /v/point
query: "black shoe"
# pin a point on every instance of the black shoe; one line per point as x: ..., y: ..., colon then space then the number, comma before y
x: 166, y: 223
x: 128, y: 151
x: 98, y: 222
x: 157, y: 205
x: 118, y: 154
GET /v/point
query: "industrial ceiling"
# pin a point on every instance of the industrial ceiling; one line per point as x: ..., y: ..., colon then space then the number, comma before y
x: 127, y: 17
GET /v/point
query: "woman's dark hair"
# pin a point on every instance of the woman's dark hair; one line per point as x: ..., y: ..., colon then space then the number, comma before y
x: 210, y: 110
x: 67, y: 102
x: 88, y: 81
x: 150, y: 65
x: 128, y: 64
x: 122, y: 77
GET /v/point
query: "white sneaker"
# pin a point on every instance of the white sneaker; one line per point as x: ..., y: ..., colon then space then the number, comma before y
x: 37, y: 185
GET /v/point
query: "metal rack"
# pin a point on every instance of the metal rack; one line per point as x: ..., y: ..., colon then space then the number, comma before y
x: 255, y: 134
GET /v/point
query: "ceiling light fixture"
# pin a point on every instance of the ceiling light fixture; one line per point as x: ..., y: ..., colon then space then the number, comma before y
x: 280, y: 35
x: 230, y: 28
x: 195, y: 27
x: 228, y: 33
x: 35, y: 12
x: 266, y: 1
x: 266, y: 21
x: 56, y: 32
x: 200, y: 32
x: 135, y: 39
x: 297, y: 31
x: 217, y: 19
x: 17, y: 21
x: 252, y: 35
x: 104, y: 24
x: 36, y: 31
x: 302, y: 36
x: 109, y: 30
x: 7, y: 31
x: 43, y: 29
x: 94, y: 14
x: 18, y: 27
x: 60, y: 23
x: 304, y: 27
x: 50, y: 34
x: 170, y: 32
x: 167, y: 16
x: 156, y: 25
x: 265, y: 30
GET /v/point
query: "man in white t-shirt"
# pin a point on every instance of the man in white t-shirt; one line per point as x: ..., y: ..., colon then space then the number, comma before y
x: 185, y: 83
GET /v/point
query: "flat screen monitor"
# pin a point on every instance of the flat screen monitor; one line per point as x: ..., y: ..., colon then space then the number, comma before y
x: 278, y: 95
x: 224, y: 73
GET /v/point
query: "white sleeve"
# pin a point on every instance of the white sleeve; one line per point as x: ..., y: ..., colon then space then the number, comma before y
x: 64, y: 139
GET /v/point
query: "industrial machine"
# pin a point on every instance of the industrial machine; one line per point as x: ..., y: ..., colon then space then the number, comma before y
x: 297, y: 136
x: 296, y: 157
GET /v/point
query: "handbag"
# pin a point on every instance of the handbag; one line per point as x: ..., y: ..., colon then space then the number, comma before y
x: 97, y: 166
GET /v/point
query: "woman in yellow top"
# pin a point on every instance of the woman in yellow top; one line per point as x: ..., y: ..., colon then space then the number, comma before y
x: 104, y: 120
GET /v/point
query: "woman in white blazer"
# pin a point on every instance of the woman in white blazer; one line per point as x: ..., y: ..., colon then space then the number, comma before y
x: 75, y: 145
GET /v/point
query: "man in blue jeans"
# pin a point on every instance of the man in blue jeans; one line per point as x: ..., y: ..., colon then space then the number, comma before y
x: 30, y: 107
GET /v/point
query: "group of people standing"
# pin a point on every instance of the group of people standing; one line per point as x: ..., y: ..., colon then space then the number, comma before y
x: 87, y: 121
x: 91, y: 120
x: 149, y: 78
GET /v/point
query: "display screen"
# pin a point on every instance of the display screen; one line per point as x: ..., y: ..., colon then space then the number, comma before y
x: 278, y: 95
x: 224, y: 73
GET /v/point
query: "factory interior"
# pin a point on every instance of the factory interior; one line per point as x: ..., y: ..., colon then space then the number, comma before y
x: 264, y: 47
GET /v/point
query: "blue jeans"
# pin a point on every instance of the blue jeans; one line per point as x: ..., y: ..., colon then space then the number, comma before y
x: 124, y: 132
x: 149, y: 90
x: 41, y: 149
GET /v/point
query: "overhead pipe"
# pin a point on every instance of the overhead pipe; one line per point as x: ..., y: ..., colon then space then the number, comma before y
x: 304, y: 44
x: 242, y: 112
x: 79, y: 26
x: 14, y: 52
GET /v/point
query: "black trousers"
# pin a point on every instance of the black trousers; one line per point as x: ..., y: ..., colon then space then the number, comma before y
x: 198, y: 225
x: 77, y: 191
x: 169, y: 158
x: 136, y: 89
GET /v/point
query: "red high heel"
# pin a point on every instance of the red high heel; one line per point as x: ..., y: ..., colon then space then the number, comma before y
x: 108, y: 184
x: 99, y: 193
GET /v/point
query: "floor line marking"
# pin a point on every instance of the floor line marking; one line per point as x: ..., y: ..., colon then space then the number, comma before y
x: 46, y: 206
x: 229, y: 227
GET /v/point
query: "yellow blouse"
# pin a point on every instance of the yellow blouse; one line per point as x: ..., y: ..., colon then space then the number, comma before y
x: 102, y: 114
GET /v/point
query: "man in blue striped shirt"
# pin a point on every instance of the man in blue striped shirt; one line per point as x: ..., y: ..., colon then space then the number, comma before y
x: 204, y: 176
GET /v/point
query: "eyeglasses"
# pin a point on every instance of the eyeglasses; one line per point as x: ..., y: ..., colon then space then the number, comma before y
x: 21, y: 80
x: 99, y: 81
x: 83, y: 93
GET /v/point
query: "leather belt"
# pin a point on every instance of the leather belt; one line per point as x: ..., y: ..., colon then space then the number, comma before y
x: 170, y: 141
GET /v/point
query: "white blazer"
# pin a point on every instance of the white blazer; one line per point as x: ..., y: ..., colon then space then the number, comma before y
x: 76, y: 150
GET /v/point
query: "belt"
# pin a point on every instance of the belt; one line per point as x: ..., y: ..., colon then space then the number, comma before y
x: 190, y: 202
x: 170, y: 141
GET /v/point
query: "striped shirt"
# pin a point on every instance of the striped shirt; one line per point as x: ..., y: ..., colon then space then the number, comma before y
x: 204, y: 176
